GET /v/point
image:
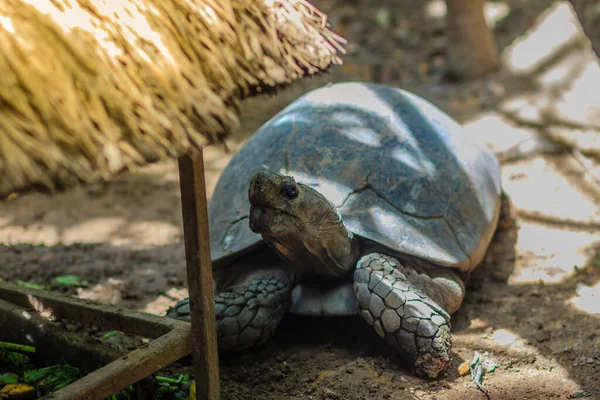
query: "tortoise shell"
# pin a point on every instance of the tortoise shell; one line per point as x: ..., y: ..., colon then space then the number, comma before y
x: 401, y: 173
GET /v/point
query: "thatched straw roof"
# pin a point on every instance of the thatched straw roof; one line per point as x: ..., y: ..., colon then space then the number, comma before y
x: 92, y: 87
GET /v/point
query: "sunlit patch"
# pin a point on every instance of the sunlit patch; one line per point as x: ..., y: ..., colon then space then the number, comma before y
x: 436, y: 9
x: 161, y: 304
x: 361, y: 134
x: 505, y: 338
x: 556, y: 28
x: 109, y: 292
x: 578, y: 103
x: 92, y: 230
x: 477, y: 323
x: 206, y: 11
x: 563, y: 71
x: 333, y: 191
x: 547, y: 192
x: 227, y: 241
x: 496, y: 131
x: 40, y: 308
x: 494, y: 12
x: 162, y: 232
x: 588, y: 298
x: 35, y: 233
x: 420, y: 167
x: 550, y: 254
x: 541, y: 274
x: 7, y: 24
x: 132, y: 23
x: 525, y: 107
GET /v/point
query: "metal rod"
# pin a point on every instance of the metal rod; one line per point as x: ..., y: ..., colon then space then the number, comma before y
x: 199, y: 271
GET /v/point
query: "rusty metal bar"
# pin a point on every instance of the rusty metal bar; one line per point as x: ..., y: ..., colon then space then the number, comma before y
x: 199, y: 272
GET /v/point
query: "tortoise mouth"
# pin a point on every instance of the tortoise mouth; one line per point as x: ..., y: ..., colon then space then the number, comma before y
x: 265, y: 219
x: 257, y: 219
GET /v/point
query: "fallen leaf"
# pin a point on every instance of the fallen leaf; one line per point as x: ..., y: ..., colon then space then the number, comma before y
x: 70, y: 280
x: 17, y: 391
x: 464, y: 368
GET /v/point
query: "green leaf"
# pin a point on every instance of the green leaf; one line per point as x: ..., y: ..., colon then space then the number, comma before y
x: 109, y: 334
x: 17, y: 359
x: 30, y: 285
x: 70, y: 280
x: 9, y: 377
x: 52, y: 378
x: 17, y: 347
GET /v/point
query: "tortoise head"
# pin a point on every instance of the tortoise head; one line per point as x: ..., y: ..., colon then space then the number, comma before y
x: 301, y: 224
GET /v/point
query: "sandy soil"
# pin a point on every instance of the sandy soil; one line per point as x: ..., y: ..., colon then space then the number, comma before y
x: 534, y: 304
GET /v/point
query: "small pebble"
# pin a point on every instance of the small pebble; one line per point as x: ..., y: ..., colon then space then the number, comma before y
x: 579, y: 394
x: 463, y: 369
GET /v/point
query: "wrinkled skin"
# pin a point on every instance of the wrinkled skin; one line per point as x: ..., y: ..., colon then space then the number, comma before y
x: 303, y: 228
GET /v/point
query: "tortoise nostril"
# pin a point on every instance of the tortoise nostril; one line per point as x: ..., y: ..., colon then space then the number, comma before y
x: 258, y: 179
x: 256, y: 185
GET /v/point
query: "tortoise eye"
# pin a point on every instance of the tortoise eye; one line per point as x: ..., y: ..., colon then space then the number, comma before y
x: 289, y: 192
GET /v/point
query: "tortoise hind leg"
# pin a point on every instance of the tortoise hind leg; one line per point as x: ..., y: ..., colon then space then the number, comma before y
x: 247, y: 312
x: 409, y: 307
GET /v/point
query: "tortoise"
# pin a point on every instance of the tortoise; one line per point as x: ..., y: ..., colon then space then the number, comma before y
x: 355, y: 199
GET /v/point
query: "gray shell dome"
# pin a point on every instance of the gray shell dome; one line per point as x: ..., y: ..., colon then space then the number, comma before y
x: 399, y: 171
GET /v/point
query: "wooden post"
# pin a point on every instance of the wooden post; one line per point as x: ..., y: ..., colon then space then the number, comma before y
x: 472, y: 49
x: 199, y: 272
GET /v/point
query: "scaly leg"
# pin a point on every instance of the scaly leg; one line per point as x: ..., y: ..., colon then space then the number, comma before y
x: 408, y: 303
x: 248, y: 311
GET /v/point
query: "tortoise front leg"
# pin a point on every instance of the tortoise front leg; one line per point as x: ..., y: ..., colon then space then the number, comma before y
x: 247, y: 312
x: 409, y: 307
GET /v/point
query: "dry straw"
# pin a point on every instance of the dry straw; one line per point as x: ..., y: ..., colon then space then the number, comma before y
x: 89, y: 88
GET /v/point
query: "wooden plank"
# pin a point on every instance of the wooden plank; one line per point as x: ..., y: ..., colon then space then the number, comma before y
x: 128, y: 369
x: 200, y: 281
x: 56, y: 306
x: 52, y: 340
x: 28, y: 310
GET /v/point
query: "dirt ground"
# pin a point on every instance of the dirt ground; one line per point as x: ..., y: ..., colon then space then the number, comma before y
x: 534, y: 304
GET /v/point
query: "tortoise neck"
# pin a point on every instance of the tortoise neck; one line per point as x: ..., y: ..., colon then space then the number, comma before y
x: 329, y: 252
